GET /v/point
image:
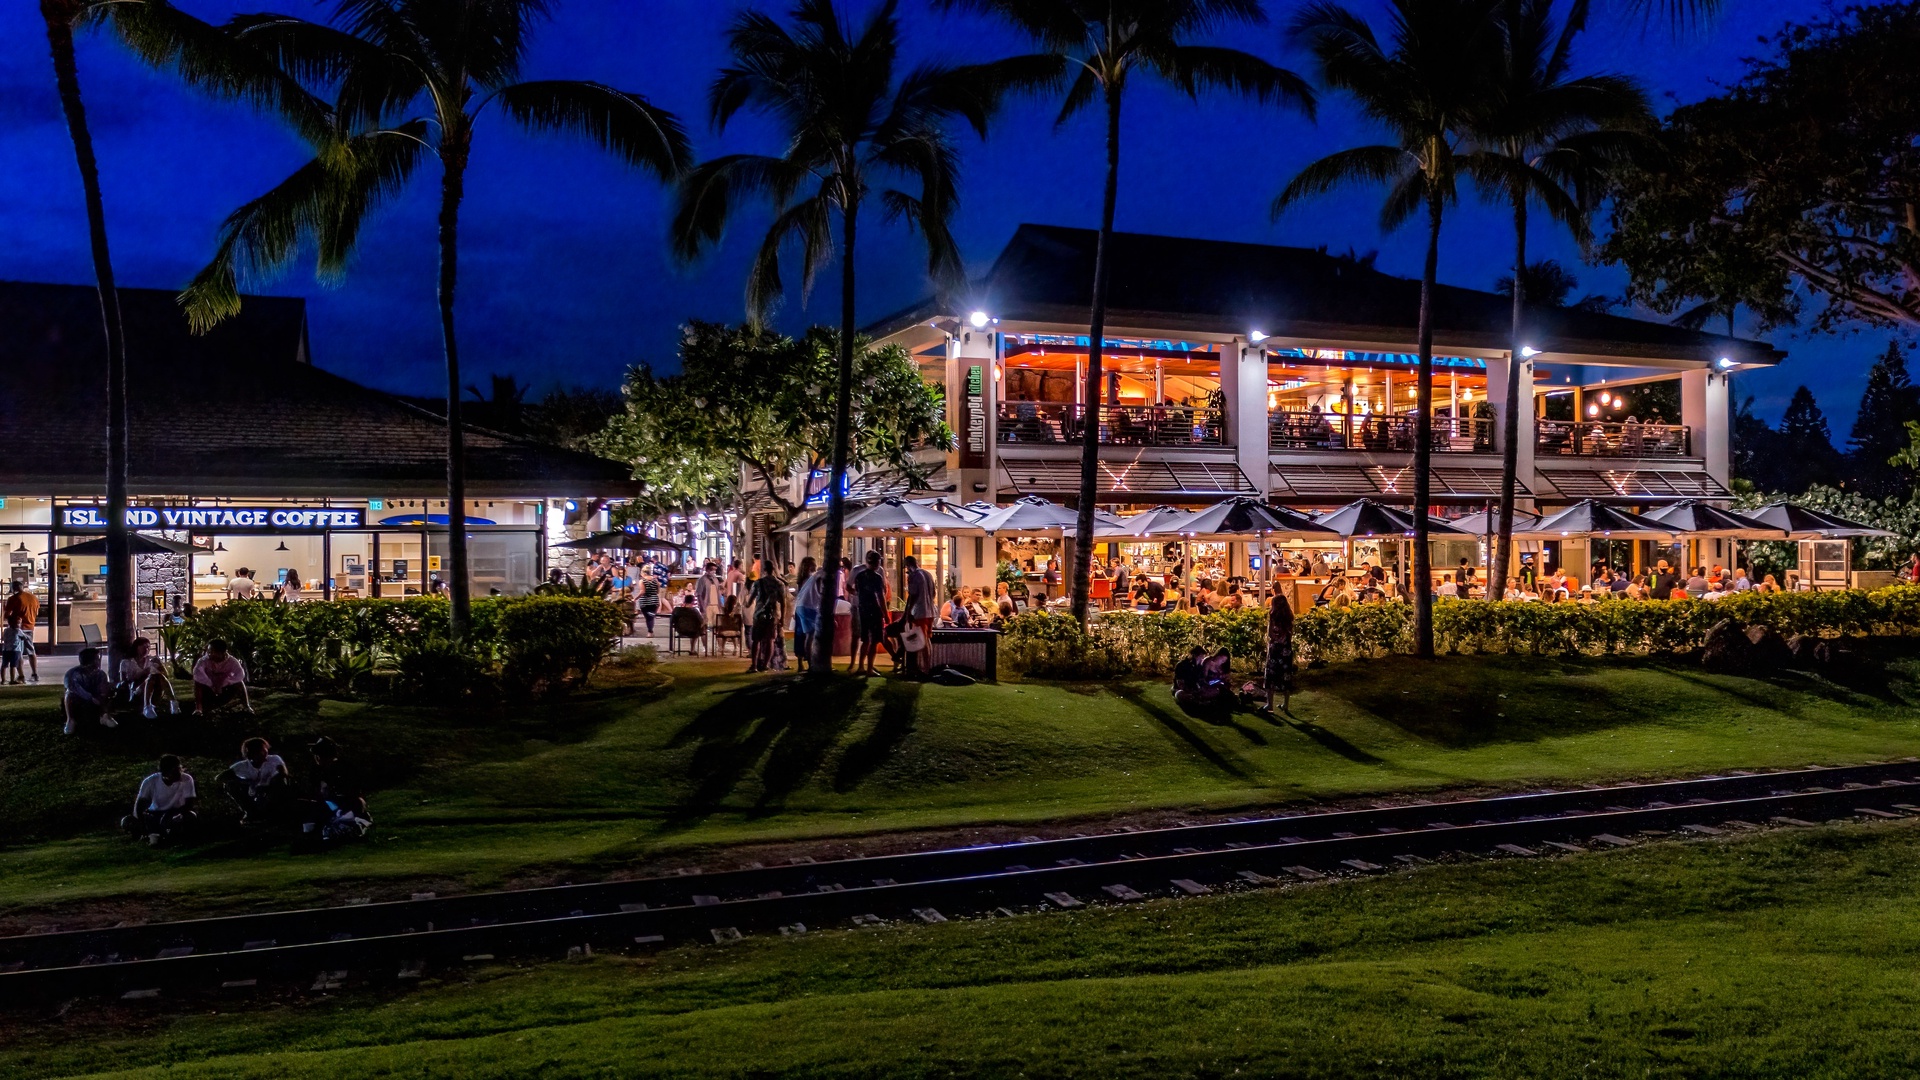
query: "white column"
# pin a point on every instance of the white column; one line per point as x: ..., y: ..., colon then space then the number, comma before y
x: 1706, y: 408
x: 1497, y: 394
x: 1243, y: 381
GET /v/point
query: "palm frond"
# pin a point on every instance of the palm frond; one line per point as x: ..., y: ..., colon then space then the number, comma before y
x: 625, y: 123
x: 809, y: 221
x: 706, y: 196
x: 1194, y: 68
x: 1080, y: 94
x: 213, y: 61
x: 324, y: 202
x: 1363, y: 164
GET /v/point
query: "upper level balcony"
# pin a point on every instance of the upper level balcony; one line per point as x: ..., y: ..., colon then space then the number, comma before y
x: 1312, y: 430
x: 1048, y: 423
x: 1593, y: 438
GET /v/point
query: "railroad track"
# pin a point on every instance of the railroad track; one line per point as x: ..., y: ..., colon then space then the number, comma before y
x: 404, y: 939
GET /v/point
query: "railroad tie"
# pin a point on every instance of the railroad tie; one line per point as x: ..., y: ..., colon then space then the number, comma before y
x: 1872, y: 813
x: 1794, y: 821
x: 1514, y: 849
x: 1064, y: 900
x: 331, y: 980
x: 1362, y: 865
x: 725, y: 934
x: 1303, y: 873
x: 1611, y: 840
x: 793, y: 929
x: 1122, y: 892
x: 1571, y: 849
x: 1701, y: 830
x: 928, y: 915
x: 1190, y: 886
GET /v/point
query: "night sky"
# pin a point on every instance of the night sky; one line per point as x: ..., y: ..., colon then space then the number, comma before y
x: 565, y: 277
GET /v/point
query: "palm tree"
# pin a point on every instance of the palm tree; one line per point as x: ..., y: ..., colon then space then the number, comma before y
x: 847, y: 122
x: 1101, y: 43
x: 1544, y: 137
x: 165, y: 36
x: 1423, y: 88
x: 407, y: 78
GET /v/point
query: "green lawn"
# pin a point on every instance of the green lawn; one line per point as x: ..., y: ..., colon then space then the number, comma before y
x: 1790, y: 955
x: 626, y: 777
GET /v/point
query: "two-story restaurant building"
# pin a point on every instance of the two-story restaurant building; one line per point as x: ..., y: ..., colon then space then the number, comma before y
x: 1289, y: 374
x: 251, y: 456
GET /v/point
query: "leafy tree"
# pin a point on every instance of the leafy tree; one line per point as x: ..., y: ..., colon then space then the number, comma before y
x: 847, y: 122
x: 1426, y: 88
x: 749, y: 399
x: 1545, y: 282
x: 571, y: 417
x: 1800, y: 177
x: 1806, y: 446
x: 407, y: 78
x: 1755, y: 450
x: 1879, y: 434
x: 1544, y: 137
x: 1094, y: 48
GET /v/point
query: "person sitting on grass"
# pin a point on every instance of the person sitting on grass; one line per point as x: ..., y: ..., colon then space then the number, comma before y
x: 333, y: 809
x: 144, y: 679
x: 258, y: 783
x: 88, y: 693
x: 165, y: 806
x: 219, y: 679
x: 1186, y: 675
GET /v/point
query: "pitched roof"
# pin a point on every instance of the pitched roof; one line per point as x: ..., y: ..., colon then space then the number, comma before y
x: 1182, y: 285
x: 236, y: 412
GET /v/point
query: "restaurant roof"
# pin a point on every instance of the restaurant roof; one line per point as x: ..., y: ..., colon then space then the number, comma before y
x: 237, y: 412
x: 1174, y: 284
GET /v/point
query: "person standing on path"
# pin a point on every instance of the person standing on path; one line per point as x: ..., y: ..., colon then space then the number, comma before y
x: 646, y: 596
x: 23, y: 603
x: 1279, y: 672
x: 871, y: 599
x: 767, y: 595
x: 922, y: 606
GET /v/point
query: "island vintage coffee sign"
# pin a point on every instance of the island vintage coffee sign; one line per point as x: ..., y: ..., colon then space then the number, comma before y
x: 215, y: 519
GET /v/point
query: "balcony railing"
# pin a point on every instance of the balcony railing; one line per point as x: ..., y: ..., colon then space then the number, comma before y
x: 1043, y: 423
x: 1289, y: 430
x: 1592, y: 438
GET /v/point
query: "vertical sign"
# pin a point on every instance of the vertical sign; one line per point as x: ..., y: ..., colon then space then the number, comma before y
x: 973, y: 421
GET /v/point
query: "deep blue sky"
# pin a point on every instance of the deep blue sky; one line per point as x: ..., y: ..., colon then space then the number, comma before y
x: 564, y: 273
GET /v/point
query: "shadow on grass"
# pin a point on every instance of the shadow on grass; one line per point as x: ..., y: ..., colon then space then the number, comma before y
x: 899, y: 710
x: 1458, y: 706
x: 1325, y: 738
x: 790, y: 721
x: 1178, y: 727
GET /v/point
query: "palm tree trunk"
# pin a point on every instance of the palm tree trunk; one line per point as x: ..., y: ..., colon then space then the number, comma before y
x: 1096, y: 337
x: 453, y: 161
x: 66, y: 71
x: 1510, y: 427
x: 1423, y: 444
x: 842, y: 448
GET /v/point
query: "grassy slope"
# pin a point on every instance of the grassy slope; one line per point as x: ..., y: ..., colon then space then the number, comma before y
x: 592, y: 786
x: 1783, y: 955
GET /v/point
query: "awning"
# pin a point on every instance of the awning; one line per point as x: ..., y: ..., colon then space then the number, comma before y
x: 1635, y: 484
x: 1447, y: 482
x: 1130, y: 481
x: 892, y: 484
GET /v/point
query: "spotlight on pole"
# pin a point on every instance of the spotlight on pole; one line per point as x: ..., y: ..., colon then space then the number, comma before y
x: 978, y: 320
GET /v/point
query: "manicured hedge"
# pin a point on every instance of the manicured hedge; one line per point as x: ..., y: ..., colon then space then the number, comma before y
x: 1124, y: 643
x: 528, y: 644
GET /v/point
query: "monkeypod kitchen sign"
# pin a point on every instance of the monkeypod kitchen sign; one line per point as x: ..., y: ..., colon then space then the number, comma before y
x: 216, y: 519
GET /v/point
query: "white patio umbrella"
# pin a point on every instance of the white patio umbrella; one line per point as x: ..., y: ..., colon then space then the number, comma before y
x: 904, y: 518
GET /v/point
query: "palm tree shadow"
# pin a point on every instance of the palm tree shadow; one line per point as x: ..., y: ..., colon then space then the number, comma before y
x: 1177, y: 727
x: 791, y: 722
x: 1285, y: 718
x: 899, y: 710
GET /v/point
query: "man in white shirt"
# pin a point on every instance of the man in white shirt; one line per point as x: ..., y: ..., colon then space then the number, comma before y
x: 922, y: 606
x: 242, y: 586
x: 166, y: 804
x: 258, y: 782
x: 1448, y: 587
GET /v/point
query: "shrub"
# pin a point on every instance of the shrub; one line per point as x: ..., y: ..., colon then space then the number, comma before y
x: 529, y: 642
x: 546, y: 639
x: 1124, y: 643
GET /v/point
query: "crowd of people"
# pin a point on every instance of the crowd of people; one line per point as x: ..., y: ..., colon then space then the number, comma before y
x: 91, y: 696
x: 321, y: 801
